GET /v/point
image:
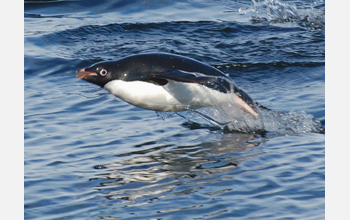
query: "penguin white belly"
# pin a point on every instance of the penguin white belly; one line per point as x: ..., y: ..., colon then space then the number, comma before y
x: 174, y: 96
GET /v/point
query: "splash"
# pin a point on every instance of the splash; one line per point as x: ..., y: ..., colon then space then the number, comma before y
x: 290, y: 123
x: 232, y: 118
x: 277, y: 11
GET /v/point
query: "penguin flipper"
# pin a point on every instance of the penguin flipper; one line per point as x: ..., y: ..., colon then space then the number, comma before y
x: 219, y: 83
x: 182, y: 76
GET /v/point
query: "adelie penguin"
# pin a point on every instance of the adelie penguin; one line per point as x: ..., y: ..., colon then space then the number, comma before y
x: 167, y: 82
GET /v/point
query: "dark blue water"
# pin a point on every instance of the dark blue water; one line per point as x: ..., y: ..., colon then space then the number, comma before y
x: 90, y: 155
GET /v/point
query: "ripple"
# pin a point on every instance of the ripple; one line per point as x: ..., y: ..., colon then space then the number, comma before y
x: 120, y: 40
x: 156, y: 172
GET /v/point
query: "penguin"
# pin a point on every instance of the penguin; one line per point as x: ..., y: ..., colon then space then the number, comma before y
x: 167, y: 82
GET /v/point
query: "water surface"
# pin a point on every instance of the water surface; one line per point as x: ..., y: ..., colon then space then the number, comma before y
x: 90, y: 155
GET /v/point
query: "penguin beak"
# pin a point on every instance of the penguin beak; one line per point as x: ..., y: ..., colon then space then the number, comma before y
x: 85, y: 73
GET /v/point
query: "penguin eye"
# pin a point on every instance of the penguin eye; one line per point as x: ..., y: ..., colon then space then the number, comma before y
x: 103, y: 72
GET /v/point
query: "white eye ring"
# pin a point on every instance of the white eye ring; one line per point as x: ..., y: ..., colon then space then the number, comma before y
x: 103, y: 72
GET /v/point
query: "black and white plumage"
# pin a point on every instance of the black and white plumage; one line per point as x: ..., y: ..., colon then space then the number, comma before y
x: 167, y: 82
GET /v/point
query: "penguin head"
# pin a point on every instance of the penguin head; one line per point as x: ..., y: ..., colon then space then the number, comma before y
x: 99, y: 74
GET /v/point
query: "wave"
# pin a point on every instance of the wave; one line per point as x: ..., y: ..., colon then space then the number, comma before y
x: 198, y: 40
x: 277, y: 11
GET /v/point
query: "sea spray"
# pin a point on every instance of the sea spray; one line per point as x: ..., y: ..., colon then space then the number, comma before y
x: 277, y: 11
x: 231, y: 118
